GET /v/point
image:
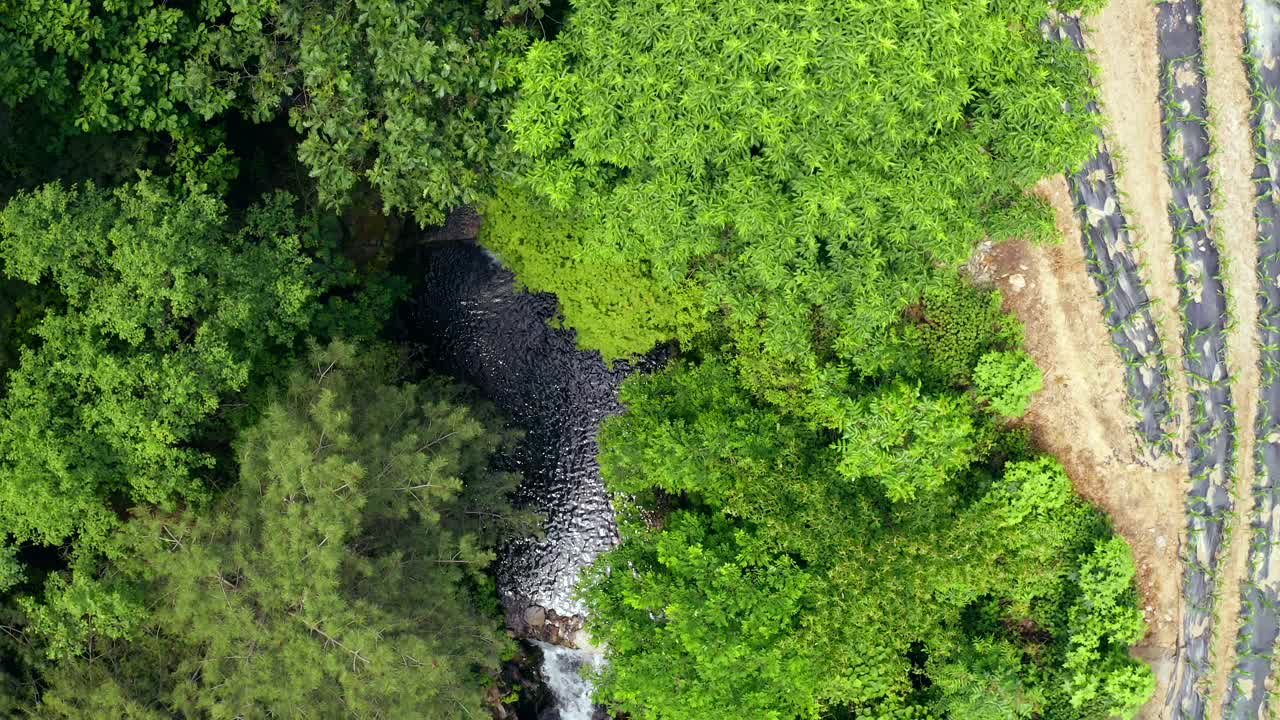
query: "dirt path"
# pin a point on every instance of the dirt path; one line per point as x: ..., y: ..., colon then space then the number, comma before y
x: 1232, y: 165
x: 1080, y: 417
x: 1122, y: 41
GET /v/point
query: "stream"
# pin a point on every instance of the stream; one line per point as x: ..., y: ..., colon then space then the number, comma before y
x: 480, y: 328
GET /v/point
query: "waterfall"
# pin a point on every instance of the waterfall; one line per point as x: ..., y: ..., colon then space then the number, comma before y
x: 562, y: 671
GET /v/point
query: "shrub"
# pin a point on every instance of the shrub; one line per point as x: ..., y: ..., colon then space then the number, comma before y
x: 1006, y: 380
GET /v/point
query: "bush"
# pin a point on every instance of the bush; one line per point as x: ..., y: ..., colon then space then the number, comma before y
x: 758, y: 575
x: 1006, y: 381
x: 1104, y: 623
x: 814, y: 167
x: 616, y: 306
x: 951, y: 328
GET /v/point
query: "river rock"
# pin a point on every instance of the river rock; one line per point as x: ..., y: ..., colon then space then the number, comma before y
x: 535, y: 616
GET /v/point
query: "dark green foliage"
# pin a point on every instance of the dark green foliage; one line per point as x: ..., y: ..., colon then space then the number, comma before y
x: 953, y: 325
x: 22, y: 306
x: 341, y: 577
x: 408, y: 97
x: 108, y: 68
x: 10, y: 568
x: 984, y: 679
x: 165, y: 310
x: 823, y: 514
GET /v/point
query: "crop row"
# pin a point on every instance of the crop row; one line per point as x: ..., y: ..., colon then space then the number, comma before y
x: 1259, y: 613
x: 1203, y: 304
x: 1110, y: 262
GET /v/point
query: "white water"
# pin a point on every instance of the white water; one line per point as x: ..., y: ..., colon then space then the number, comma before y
x: 562, y: 671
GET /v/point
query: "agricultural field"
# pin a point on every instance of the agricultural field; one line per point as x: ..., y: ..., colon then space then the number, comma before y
x: 1176, y: 215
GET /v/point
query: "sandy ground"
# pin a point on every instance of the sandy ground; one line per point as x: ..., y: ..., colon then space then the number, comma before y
x: 1122, y: 41
x: 1236, y: 235
x: 1081, y: 417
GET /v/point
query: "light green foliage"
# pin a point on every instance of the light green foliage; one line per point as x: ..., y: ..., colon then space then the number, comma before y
x: 907, y: 441
x: 408, y: 97
x: 854, y: 582
x: 813, y: 165
x: 1029, y: 217
x: 73, y: 611
x: 88, y: 691
x: 1033, y: 490
x: 1104, y: 624
x: 1006, y: 380
x: 341, y: 577
x: 544, y: 246
x: 164, y: 311
x: 728, y: 638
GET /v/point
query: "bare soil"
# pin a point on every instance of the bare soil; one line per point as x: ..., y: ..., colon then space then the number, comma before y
x: 1081, y: 417
x: 1122, y: 41
x: 1081, y: 414
x: 1236, y: 234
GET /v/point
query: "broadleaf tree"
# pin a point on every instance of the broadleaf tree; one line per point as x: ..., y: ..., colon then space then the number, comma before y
x: 804, y: 169
x: 166, y: 311
x: 407, y: 97
x: 755, y: 577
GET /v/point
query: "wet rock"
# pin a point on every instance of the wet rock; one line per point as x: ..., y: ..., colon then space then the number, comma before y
x: 979, y: 268
x: 520, y: 683
x: 475, y: 325
x: 535, y: 616
x: 470, y: 321
x: 461, y: 224
x: 546, y: 625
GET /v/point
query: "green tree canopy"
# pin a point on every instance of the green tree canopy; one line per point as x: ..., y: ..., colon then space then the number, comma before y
x: 341, y: 577
x: 409, y: 97
x: 612, y: 301
x: 776, y: 585
x: 806, y: 169
x: 1007, y: 380
x: 165, y: 310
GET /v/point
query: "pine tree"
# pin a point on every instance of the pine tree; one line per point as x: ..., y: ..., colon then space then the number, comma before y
x: 343, y: 576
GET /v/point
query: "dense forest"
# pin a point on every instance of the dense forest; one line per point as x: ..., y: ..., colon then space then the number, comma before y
x: 226, y: 491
